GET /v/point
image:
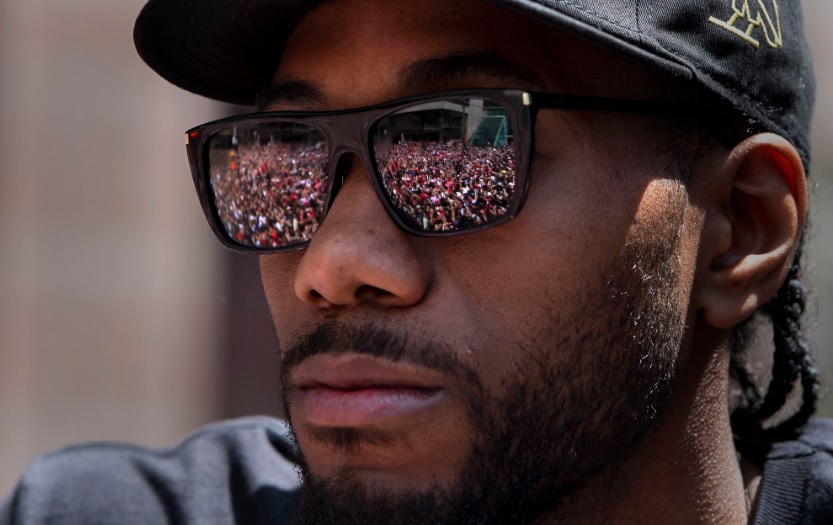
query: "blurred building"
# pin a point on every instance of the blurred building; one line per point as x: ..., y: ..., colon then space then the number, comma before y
x: 120, y: 316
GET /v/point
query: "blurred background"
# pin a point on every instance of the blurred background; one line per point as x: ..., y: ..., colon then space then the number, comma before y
x: 121, y: 318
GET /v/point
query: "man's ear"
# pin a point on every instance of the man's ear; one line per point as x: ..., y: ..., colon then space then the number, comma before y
x: 751, y: 234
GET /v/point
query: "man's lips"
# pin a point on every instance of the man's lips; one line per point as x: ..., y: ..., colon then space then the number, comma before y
x: 353, y: 390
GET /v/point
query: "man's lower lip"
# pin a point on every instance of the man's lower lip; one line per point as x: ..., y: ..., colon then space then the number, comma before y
x: 333, y: 407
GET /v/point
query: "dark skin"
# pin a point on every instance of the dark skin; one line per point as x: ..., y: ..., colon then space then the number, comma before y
x: 596, y: 191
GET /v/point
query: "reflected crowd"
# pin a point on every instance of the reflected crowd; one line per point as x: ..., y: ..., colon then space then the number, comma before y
x: 271, y: 195
x: 445, y: 187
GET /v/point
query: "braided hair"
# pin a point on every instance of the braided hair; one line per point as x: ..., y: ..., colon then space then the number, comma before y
x: 792, y: 364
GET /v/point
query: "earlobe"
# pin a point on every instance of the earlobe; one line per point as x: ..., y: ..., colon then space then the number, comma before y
x: 761, y: 219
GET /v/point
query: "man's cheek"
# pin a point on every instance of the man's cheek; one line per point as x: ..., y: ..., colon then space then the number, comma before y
x: 277, y: 274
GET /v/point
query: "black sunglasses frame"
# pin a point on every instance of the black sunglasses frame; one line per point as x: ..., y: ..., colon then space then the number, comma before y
x: 349, y: 131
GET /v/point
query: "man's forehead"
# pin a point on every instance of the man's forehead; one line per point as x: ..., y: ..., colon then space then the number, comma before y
x: 418, y: 47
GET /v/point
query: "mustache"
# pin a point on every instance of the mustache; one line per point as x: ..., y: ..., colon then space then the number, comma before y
x: 372, y: 339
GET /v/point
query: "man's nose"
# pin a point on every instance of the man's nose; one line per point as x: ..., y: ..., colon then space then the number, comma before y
x: 360, y: 255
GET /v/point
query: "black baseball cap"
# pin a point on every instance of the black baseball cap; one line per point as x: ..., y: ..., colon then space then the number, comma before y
x: 750, y: 53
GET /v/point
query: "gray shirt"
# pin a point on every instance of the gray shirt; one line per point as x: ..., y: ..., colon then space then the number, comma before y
x: 241, y: 472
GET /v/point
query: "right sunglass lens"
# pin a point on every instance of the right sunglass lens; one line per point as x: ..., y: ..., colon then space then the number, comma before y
x: 268, y: 181
x: 447, y: 165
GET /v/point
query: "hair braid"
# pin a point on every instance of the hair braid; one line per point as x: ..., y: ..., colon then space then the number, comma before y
x: 792, y: 361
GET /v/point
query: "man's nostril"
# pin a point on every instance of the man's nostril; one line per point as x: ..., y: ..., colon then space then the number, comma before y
x: 371, y: 293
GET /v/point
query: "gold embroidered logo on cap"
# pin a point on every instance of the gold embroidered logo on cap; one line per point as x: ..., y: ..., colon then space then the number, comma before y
x: 763, y: 20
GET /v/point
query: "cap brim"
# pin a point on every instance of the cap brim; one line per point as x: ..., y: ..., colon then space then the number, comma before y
x: 221, y: 49
x: 230, y: 50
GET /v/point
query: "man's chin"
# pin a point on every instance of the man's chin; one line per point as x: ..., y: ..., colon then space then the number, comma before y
x: 374, y: 457
x: 376, y: 485
x: 360, y: 496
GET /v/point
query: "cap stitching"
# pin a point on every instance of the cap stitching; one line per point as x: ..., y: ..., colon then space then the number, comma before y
x: 602, y: 17
x: 638, y: 19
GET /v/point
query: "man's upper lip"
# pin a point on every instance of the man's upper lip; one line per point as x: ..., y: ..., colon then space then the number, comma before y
x: 353, y: 371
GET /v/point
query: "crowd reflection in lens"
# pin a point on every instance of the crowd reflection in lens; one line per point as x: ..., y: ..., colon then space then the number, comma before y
x: 270, y: 195
x: 449, y: 186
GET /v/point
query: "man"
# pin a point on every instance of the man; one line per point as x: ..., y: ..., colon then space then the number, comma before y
x: 513, y: 251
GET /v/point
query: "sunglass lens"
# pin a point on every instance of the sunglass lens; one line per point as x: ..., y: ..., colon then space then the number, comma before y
x: 268, y: 182
x: 448, y: 165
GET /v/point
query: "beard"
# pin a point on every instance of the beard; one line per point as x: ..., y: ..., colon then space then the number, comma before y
x: 585, y: 392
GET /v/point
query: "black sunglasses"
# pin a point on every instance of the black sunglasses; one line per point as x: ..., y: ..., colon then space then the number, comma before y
x: 442, y: 164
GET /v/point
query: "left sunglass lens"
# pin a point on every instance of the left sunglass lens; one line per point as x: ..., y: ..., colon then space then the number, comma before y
x: 269, y: 182
x: 448, y: 165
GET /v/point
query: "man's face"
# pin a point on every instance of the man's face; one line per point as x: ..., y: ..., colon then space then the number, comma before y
x: 495, y: 373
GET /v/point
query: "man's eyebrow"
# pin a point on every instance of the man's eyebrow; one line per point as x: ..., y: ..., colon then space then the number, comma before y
x: 429, y: 74
x: 291, y: 91
x: 451, y: 70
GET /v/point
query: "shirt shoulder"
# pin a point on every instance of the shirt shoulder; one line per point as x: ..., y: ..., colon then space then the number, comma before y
x: 238, y: 471
x: 797, y: 483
